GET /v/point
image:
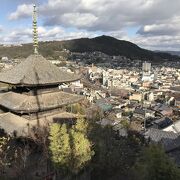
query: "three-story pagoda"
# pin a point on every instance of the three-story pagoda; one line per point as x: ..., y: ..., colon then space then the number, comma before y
x: 35, y: 99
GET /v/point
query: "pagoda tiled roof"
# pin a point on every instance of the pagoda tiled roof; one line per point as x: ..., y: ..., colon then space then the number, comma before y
x: 22, y: 103
x: 36, y: 71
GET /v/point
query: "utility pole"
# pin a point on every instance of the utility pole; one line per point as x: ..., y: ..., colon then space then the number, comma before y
x: 142, y: 101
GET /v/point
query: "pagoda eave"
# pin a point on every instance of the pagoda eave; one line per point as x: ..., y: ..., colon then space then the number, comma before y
x: 22, y: 103
x: 15, y: 125
x: 36, y: 71
x: 24, y: 84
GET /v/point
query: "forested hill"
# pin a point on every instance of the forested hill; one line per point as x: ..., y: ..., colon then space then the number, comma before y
x: 105, y: 44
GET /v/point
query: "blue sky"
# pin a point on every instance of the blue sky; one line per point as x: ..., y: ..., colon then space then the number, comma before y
x: 144, y: 22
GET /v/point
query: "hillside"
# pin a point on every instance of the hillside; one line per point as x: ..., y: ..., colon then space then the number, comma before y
x: 177, y: 53
x: 105, y: 44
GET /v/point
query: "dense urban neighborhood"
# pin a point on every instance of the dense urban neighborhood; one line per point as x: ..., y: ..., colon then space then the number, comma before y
x: 126, y: 95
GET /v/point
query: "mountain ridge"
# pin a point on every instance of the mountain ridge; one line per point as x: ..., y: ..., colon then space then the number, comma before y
x: 176, y: 53
x: 105, y: 44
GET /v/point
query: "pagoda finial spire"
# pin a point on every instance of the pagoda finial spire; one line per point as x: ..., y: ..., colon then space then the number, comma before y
x: 35, y: 31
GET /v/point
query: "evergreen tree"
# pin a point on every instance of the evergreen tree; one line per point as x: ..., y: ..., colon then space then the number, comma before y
x: 154, y: 164
x: 81, y: 146
x: 4, y: 151
x: 59, y: 146
x: 70, y: 149
x: 81, y: 126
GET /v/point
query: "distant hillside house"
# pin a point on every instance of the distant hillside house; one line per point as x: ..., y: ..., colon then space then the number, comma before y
x: 174, y: 127
x: 162, y: 123
x: 177, y: 102
x: 137, y: 97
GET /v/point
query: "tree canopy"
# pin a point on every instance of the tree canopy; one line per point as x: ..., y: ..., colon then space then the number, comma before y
x: 60, y: 146
x: 154, y: 164
x: 70, y: 147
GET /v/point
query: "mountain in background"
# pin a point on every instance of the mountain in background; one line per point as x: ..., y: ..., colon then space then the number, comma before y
x: 105, y: 44
x: 176, y: 53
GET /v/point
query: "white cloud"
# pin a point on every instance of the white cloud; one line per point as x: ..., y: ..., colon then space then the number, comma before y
x: 1, y: 28
x: 23, y: 11
x: 158, y: 42
x: 110, y: 14
x: 50, y: 34
x: 24, y: 35
x: 79, y: 20
x: 169, y: 27
x: 102, y: 14
x: 118, y: 35
x: 159, y: 20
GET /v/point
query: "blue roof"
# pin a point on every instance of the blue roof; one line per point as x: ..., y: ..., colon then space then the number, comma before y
x: 104, y: 104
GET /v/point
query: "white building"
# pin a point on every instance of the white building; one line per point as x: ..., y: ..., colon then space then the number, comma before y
x: 174, y: 127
